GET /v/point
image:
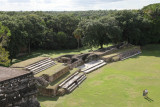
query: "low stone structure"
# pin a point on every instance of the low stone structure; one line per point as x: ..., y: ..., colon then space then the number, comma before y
x: 40, y: 65
x: 92, y: 65
x: 122, y: 55
x: 64, y: 85
x: 57, y: 76
x: 17, y: 88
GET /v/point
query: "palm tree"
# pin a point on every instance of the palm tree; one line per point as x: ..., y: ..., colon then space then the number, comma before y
x: 77, y: 34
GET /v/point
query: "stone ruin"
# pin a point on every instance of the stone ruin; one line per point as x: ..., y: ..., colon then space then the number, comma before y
x: 122, y: 55
x: 17, y: 88
x: 40, y: 65
x: 65, y: 79
x: 46, y: 73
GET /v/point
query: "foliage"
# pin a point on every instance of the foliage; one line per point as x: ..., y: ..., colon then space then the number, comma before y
x: 95, y: 34
x: 4, y: 35
x: 57, y: 30
x: 4, y: 57
x: 78, y: 34
x: 113, y: 31
x: 152, y: 13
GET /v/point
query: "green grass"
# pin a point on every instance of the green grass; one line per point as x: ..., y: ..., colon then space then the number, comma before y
x: 27, y: 62
x: 118, y: 84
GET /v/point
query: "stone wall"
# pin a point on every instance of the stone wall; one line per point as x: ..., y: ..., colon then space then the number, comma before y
x: 55, y: 91
x: 19, y: 92
x: 47, y: 92
x: 58, y: 74
x: 123, y: 55
x: 75, y: 64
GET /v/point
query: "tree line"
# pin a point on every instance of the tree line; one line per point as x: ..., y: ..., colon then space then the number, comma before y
x: 21, y: 32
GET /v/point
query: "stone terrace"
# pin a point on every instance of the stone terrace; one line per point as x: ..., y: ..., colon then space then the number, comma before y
x: 17, y: 88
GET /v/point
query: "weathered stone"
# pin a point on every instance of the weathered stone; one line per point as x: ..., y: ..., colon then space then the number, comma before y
x: 16, y: 85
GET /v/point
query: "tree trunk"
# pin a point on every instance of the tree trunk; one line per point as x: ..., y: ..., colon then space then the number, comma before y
x: 11, y: 61
x: 78, y: 43
x: 29, y: 47
x: 101, y: 45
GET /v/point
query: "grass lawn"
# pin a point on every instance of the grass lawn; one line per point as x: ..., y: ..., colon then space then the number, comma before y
x: 118, y: 84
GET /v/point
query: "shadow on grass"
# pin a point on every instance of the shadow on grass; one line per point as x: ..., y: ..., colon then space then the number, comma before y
x: 43, y: 98
x: 47, y: 53
x: 149, y: 50
x: 149, y: 99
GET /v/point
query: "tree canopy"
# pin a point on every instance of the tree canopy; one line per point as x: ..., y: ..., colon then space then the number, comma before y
x: 28, y: 31
x: 4, y: 37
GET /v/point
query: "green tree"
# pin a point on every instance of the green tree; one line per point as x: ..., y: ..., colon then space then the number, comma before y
x: 113, y: 31
x: 152, y: 13
x: 35, y: 28
x: 4, y: 36
x: 95, y: 34
x: 78, y: 34
x: 62, y: 40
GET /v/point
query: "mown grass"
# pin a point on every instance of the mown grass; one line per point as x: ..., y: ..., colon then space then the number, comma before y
x: 118, y: 84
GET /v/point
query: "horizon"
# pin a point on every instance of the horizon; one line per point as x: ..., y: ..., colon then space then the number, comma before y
x: 73, y: 5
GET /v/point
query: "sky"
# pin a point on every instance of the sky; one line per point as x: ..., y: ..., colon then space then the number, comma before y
x: 72, y: 5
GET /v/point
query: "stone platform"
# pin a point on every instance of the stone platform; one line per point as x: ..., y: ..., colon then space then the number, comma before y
x: 17, y: 88
x: 91, y: 66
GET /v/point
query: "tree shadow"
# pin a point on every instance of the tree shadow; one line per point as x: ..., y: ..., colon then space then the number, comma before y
x: 149, y: 99
x: 149, y: 50
x: 44, y: 98
x: 49, y: 53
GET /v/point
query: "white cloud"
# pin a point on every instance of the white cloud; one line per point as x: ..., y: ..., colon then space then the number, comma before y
x: 67, y: 5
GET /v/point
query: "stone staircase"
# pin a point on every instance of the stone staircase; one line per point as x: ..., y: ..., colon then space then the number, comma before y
x: 73, y: 81
x: 91, y: 66
x: 130, y: 54
x: 40, y: 65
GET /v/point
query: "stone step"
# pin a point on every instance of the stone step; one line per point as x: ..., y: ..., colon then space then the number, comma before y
x: 80, y: 81
x: 72, y: 88
x: 131, y: 55
x: 39, y: 63
x: 68, y: 79
x: 34, y: 64
x: 90, y: 65
x: 43, y: 68
x: 95, y: 67
x: 72, y: 80
x: 81, y: 78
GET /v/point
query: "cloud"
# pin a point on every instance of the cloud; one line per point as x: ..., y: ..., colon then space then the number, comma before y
x: 18, y: 1
x: 72, y: 5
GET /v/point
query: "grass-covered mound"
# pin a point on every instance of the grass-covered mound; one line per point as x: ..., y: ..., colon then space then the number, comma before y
x: 118, y: 84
